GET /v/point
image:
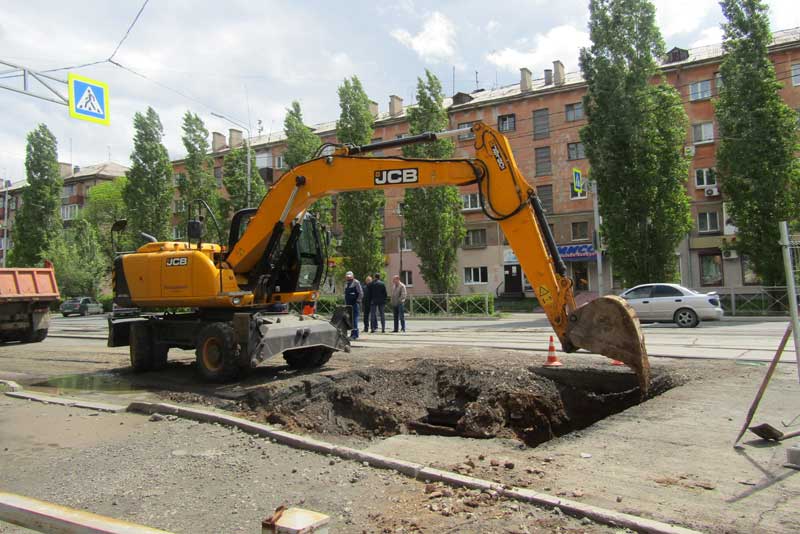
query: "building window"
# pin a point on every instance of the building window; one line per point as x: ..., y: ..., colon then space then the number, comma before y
x: 718, y: 81
x: 575, y: 151
x: 476, y: 275
x: 707, y: 222
x: 703, y: 132
x: 178, y: 232
x: 796, y: 74
x: 749, y: 276
x: 69, y: 190
x: 468, y: 135
x: 279, y: 162
x: 179, y: 206
x: 705, y: 177
x: 407, y: 278
x: 700, y: 90
x: 541, y: 124
x: 574, y: 195
x: 405, y: 244
x: 711, y: 269
x: 507, y: 123
x: 475, y: 238
x: 545, y: 194
x: 264, y: 160
x: 177, y: 178
x: 69, y: 211
x: 402, y: 136
x: 543, y: 164
x: 580, y: 231
x: 12, y: 203
x: 218, y: 175
x: 471, y: 201
x: 574, y: 111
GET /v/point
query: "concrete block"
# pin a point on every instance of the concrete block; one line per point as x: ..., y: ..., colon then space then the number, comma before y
x: 793, y: 457
x: 296, y: 521
x: 67, y: 401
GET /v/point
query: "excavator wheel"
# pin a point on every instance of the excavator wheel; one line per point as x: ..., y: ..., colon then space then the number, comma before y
x: 218, y: 353
x: 146, y: 354
x: 609, y: 326
x: 307, y: 358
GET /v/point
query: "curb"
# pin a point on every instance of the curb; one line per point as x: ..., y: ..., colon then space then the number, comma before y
x: 418, y: 471
x: 63, y: 401
x: 11, y: 385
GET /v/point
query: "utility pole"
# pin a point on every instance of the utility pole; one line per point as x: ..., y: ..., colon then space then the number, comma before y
x: 5, y: 221
x: 247, y: 144
x: 597, y: 244
x: 399, y: 211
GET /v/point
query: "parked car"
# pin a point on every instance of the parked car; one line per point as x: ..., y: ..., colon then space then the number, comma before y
x: 673, y: 303
x: 80, y: 306
x: 119, y: 311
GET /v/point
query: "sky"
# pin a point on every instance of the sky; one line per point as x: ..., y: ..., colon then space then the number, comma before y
x: 248, y: 60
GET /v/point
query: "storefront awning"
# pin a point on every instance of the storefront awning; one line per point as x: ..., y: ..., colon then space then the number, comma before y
x: 583, y: 252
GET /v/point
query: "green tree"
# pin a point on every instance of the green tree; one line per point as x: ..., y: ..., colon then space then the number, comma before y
x: 104, y: 206
x: 757, y: 163
x: 360, y: 212
x: 634, y: 140
x: 432, y: 215
x: 301, y: 145
x: 38, y: 222
x: 197, y: 182
x: 148, y: 191
x: 234, y: 177
x: 78, y: 259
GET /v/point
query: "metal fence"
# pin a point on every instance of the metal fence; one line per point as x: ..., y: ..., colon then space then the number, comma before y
x: 753, y: 301
x: 424, y: 305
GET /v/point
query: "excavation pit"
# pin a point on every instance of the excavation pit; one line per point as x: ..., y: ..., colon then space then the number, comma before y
x: 448, y: 398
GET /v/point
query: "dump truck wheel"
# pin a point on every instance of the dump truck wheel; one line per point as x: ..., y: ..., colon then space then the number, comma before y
x: 36, y: 336
x: 307, y: 358
x: 218, y: 353
x: 141, y: 348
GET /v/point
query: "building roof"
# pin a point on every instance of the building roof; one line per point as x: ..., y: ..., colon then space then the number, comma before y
x: 486, y: 96
x: 108, y: 169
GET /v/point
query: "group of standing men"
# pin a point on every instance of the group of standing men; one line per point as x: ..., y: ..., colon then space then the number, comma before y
x: 372, y: 294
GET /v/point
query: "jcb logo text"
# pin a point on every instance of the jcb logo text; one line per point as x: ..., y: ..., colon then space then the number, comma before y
x: 397, y: 176
x: 177, y: 262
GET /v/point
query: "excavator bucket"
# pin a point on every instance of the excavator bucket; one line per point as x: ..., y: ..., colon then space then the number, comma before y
x: 609, y: 326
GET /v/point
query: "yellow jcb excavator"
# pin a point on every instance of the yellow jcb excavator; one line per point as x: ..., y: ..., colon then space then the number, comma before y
x: 276, y: 253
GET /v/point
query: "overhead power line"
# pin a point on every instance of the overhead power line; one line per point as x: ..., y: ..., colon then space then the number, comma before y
x: 135, y: 19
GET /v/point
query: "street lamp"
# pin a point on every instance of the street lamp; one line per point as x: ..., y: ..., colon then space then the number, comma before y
x: 247, y: 144
x: 399, y: 211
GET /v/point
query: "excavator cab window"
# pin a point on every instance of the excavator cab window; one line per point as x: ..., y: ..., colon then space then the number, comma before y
x: 302, y: 261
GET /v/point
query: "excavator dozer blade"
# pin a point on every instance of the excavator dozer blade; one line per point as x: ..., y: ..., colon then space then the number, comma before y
x: 609, y: 326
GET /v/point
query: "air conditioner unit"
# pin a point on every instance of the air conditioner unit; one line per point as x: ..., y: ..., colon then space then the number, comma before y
x: 730, y: 254
x: 712, y: 191
x: 689, y: 150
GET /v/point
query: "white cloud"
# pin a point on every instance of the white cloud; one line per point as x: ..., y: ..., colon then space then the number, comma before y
x: 492, y: 26
x: 562, y: 42
x: 709, y: 36
x: 434, y: 43
x: 784, y: 14
x: 683, y: 16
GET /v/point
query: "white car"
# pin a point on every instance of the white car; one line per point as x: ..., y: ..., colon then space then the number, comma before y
x: 673, y: 303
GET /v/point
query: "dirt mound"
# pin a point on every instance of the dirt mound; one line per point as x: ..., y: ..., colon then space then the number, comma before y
x: 449, y: 398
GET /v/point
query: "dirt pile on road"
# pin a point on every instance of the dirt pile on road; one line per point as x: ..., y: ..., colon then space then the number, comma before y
x: 449, y: 398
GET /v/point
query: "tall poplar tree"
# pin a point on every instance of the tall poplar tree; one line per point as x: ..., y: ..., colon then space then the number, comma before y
x: 360, y: 212
x: 758, y: 166
x: 198, y: 182
x: 432, y: 215
x: 148, y: 191
x: 634, y: 141
x: 234, y: 177
x: 38, y: 222
x: 301, y: 145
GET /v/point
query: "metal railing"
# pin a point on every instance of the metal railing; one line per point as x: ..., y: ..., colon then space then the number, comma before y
x: 756, y: 301
x: 445, y: 305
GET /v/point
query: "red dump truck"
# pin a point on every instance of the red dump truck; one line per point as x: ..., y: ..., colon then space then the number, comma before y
x: 25, y: 297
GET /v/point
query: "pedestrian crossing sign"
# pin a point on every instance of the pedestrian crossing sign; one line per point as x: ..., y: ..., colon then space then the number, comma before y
x: 577, y: 180
x: 88, y: 99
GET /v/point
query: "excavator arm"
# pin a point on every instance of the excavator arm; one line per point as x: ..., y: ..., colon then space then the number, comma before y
x: 606, y: 326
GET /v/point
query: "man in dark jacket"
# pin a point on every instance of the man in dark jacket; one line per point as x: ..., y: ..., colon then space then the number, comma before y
x: 377, y: 295
x: 367, y: 287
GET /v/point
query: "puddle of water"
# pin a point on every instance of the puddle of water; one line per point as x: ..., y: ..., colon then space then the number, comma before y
x: 100, y: 382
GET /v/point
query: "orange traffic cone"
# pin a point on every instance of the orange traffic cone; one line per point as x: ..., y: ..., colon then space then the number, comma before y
x: 616, y: 362
x: 308, y: 308
x: 552, y: 359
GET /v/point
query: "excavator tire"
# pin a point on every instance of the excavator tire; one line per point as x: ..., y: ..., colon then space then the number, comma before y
x: 218, y: 353
x: 307, y: 358
x: 141, y: 348
x: 35, y: 336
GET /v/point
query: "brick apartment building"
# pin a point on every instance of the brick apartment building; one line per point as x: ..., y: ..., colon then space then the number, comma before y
x: 542, y: 118
x: 77, y: 183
